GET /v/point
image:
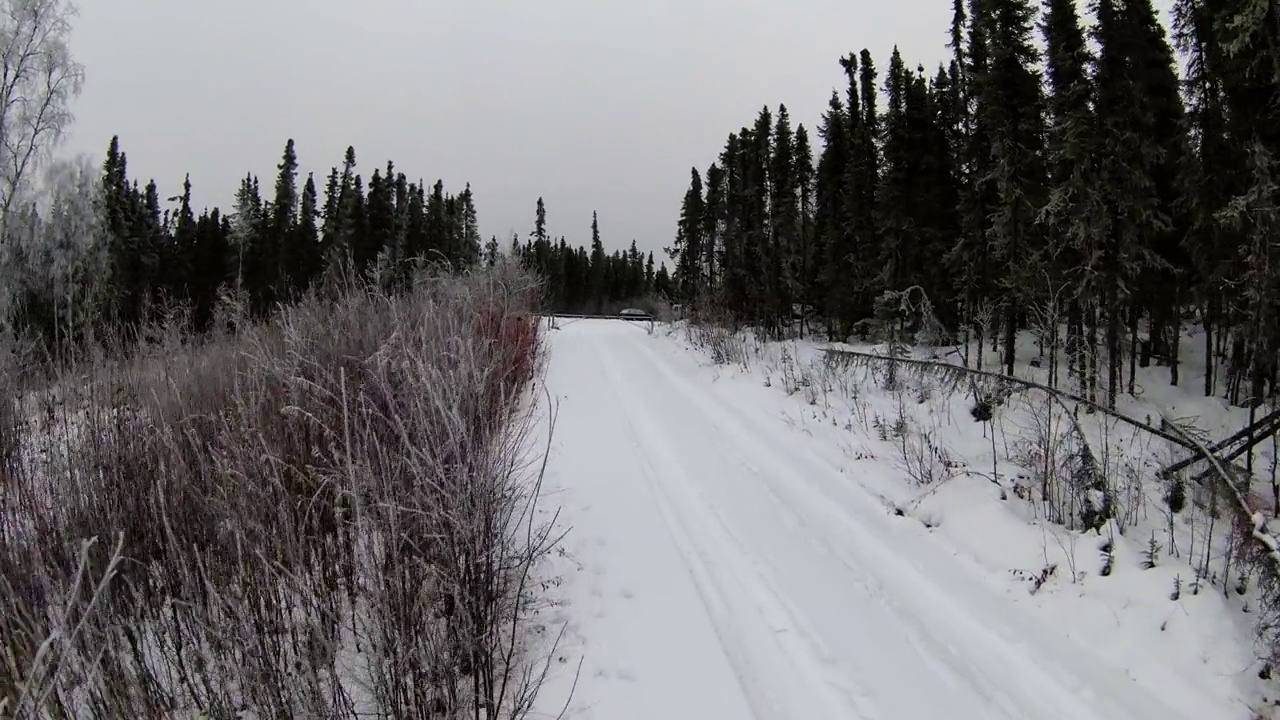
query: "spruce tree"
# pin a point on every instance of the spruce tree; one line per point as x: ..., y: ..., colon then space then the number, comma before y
x: 784, y: 205
x: 330, y: 213
x: 211, y: 267
x: 862, y: 179
x: 491, y: 252
x: 306, y: 244
x: 276, y: 250
x: 182, y: 262
x: 1247, y: 57
x: 397, y: 252
x: 1161, y: 283
x: 1211, y: 175
x: 956, y: 43
x: 153, y: 238
x: 757, y: 240
x: 804, y: 261
x: 830, y: 214
x: 971, y: 259
x: 540, y: 222
x: 754, y: 223
x: 357, y: 224
x: 348, y: 216
x: 687, y: 251
x: 897, y: 188
x: 455, y: 230
x: 1008, y: 116
x: 1139, y: 120
x: 379, y: 223
x: 598, y: 284
x: 732, y: 272
x: 248, y: 223
x: 634, y: 273
x: 1072, y: 214
x: 124, y: 296
x: 713, y: 227
x: 931, y: 116
x: 662, y: 282
x: 470, y: 251
x: 437, y: 226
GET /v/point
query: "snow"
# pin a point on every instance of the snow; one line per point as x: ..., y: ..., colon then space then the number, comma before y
x: 740, y: 549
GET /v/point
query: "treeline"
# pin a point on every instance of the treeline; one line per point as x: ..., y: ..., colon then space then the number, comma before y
x: 102, y: 251
x: 590, y: 282
x: 1087, y: 192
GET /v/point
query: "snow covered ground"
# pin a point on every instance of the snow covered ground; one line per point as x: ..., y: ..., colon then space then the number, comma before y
x: 736, y: 551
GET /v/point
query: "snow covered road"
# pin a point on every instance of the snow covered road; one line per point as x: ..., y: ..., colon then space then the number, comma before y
x: 727, y: 573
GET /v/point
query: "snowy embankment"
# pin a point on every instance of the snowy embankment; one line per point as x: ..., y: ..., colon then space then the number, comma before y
x: 748, y: 540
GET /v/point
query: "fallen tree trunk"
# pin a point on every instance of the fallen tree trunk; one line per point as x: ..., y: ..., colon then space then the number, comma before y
x: 1269, y: 557
x: 1257, y: 432
x: 949, y: 367
x: 1221, y: 469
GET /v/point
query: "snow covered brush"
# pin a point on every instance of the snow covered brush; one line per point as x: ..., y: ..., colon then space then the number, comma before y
x: 330, y: 514
x: 514, y: 338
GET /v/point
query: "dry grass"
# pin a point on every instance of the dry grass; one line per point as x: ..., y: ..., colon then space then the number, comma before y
x: 329, y: 515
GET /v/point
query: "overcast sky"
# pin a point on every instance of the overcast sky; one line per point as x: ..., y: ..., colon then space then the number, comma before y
x: 592, y: 104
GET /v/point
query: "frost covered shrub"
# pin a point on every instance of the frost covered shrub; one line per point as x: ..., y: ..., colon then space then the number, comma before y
x: 725, y: 346
x: 1068, y: 480
x: 327, y: 515
x: 923, y: 457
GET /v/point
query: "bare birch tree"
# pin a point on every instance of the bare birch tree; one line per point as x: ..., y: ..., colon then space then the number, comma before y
x: 38, y: 81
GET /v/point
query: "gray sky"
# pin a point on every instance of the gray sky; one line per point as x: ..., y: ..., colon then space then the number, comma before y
x: 593, y: 104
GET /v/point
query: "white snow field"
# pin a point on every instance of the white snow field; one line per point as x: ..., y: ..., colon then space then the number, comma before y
x: 725, y: 560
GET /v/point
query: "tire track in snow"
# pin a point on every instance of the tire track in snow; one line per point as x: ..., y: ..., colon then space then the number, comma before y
x: 752, y: 621
x: 1012, y: 676
x: 866, y: 606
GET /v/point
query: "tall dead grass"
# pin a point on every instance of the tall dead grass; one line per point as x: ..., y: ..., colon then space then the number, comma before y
x: 329, y: 515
